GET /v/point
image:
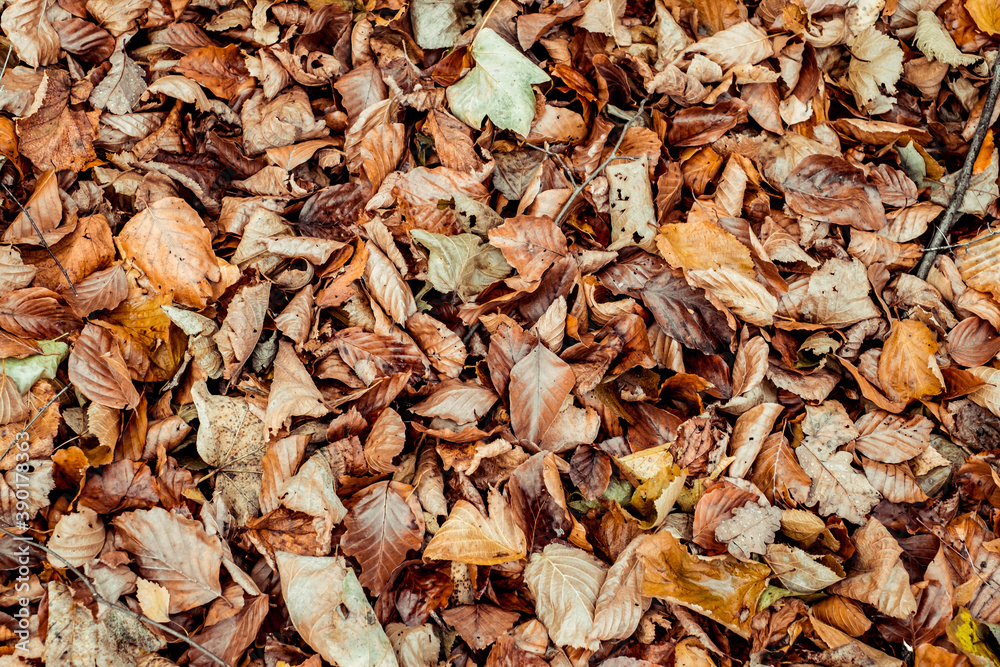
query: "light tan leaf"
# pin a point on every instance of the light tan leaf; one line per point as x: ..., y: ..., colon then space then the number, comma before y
x: 701, y: 244
x: 876, y: 64
x: 382, y: 527
x: 619, y: 605
x: 287, y: 119
x: 748, y: 299
x: 877, y: 576
x: 836, y: 486
x: 154, y: 600
x: 979, y: 263
x: 330, y: 612
x: 838, y: 295
x: 13, y: 406
x: 180, y: 88
x: 313, y: 490
x: 279, y: 464
x: 907, y: 369
x: 741, y: 44
x: 469, y: 537
x: 460, y: 402
x: 296, y: 319
x: 124, y: 84
x: 24, y: 23
x: 633, y: 218
x: 387, y: 286
x: 14, y: 273
x: 565, y: 582
x: 750, y: 365
x: 604, y: 16
x: 174, y: 552
x: 723, y: 589
x: 78, y: 537
x: 935, y: 42
x: 381, y: 149
x: 385, y: 441
x: 749, y: 530
x: 72, y: 632
x: 539, y: 383
x: 96, y: 367
x: 892, y: 438
x: 749, y: 434
x: 895, y: 482
x: 293, y: 393
x: 799, y: 571
x: 231, y: 439
x: 170, y: 243
x: 442, y: 346
x: 987, y: 396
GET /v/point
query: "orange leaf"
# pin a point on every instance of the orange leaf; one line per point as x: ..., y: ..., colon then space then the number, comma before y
x: 907, y: 369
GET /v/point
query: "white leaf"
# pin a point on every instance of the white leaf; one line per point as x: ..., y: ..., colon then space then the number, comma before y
x: 935, y: 42
x: 876, y: 63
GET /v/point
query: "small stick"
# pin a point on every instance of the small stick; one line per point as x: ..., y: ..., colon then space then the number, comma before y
x: 578, y: 189
x: 951, y: 214
x: 41, y: 237
x: 97, y: 596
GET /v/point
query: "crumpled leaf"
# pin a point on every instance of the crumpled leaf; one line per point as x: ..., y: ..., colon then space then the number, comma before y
x: 604, y: 16
x: 877, y: 576
x: 749, y: 530
x: 467, y: 536
x: 498, y: 87
x: 876, y: 64
x: 723, y: 589
x: 935, y: 42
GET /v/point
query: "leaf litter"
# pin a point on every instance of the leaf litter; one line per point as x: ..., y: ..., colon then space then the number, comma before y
x: 542, y: 333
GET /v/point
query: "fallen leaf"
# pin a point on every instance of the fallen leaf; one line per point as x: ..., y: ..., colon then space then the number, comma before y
x: 565, y: 582
x: 907, y: 369
x: 467, y: 536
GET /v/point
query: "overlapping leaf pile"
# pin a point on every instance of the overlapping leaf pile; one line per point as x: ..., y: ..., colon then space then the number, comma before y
x: 523, y: 333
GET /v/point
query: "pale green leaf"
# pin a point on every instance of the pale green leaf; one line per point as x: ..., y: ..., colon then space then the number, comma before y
x: 462, y: 264
x: 438, y: 23
x: 26, y: 372
x: 935, y: 42
x: 499, y: 86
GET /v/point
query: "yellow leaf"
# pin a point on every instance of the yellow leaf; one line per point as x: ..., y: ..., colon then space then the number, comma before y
x: 154, y: 600
x: 703, y: 245
x: 967, y: 634
x: 724, y: 589
x: 469, y: 537
x: 907, y: 369
x: 986, y: 14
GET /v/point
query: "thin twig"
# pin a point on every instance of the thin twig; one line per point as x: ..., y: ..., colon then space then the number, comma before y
x: 614, y: 155
x: 24, y: 431
x: 120, y: 607
x: 558, y: 158
x: 41, y: 237
x: 951, y: 214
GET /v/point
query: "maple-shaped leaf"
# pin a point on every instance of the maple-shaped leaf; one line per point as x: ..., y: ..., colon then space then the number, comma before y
x: 329, y: 610
x: 539, y: 383
x: 174, y: 552
x: 725, y: 590
x: 565, y: 582
x: 469, y: 537
x: 231, y: 439
x: 384, y: 524
x: 499, y: 86
x: 877, y: 575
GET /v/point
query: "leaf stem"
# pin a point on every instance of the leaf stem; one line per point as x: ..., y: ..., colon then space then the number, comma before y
x: 951, y: 214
